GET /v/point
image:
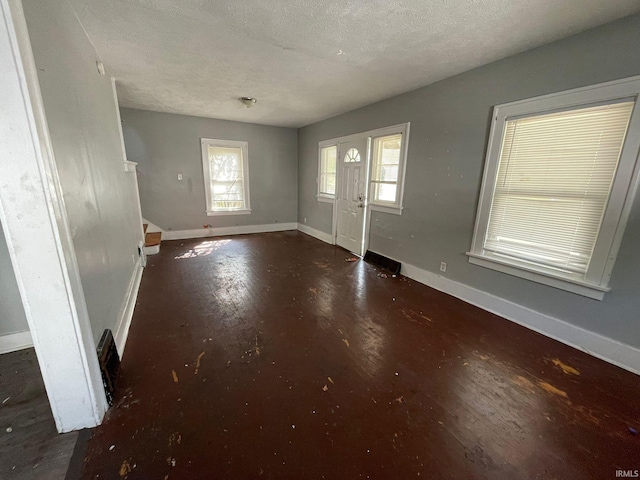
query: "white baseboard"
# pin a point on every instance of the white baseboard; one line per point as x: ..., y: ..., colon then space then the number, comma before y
x: 605, y: 348
x: 222, y: 231
x: 325, y: 237
x: 128, y: 306
x: 15, y: 341
x: 152, y: 250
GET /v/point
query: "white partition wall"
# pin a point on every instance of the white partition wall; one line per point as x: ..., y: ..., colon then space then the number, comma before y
x: 39, y: 240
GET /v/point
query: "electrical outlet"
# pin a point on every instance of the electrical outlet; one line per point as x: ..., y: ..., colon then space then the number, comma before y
x: 443, y: 266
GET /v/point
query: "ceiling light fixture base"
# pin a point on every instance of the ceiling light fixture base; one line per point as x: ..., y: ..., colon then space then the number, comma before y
x: 247, y: 101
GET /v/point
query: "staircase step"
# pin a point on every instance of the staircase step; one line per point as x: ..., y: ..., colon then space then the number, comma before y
x: 152, y: 239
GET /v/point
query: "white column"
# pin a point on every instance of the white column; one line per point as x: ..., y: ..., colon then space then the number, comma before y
x: 37, y: 231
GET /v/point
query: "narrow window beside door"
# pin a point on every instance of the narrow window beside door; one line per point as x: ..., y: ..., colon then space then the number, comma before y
x: 385, y: 170
x: 327, y: 177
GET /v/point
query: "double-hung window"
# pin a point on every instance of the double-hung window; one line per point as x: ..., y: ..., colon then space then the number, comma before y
x: 226, y: 176
x: 327, y: 170
x: 558, y: 185
x: 388, y: 161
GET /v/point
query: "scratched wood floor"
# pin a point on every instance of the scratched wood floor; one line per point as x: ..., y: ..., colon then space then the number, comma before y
x: 30, y: 446
x: 270, y: 356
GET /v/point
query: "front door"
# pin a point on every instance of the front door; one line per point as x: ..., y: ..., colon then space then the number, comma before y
x: 352, y: 157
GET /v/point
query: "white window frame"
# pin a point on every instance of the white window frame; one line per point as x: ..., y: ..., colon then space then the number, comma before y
x: 244, y: 146
x: 595, y: 282
x: 386, y: 207
x: 395, y: 206
x: 321, y: 196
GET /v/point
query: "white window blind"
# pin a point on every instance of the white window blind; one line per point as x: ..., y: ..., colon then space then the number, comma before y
x: 553, y: 182
x: 327, y: 184
x: 386, y: 168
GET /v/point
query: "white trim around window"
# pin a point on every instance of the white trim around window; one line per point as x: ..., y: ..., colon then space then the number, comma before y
x: 234, y: 176
x: 588, y: 277
x: 379, y: 139
x: 325, y: 150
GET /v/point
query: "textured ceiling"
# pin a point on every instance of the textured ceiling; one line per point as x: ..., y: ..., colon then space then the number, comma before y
x: 307, y: 60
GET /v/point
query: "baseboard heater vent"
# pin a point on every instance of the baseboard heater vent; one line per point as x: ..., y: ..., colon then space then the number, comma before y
x: 383, y: 262
x: 109, y: 364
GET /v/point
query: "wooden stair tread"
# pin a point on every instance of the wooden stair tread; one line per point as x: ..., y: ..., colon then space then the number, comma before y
x: 152, y: 238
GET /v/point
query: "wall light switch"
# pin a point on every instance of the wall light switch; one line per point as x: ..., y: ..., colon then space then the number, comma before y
x: 179, y: 176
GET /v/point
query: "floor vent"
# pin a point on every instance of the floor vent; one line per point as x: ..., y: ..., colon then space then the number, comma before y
x: 109, y: 364
x: 382, y: 262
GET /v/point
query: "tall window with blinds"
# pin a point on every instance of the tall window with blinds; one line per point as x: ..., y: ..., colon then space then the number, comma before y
x: 554, y: 178
x: 551, y: 176
x: 226, y: 174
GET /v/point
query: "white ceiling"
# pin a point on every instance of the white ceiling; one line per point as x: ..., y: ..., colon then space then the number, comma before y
x: 307, y: 60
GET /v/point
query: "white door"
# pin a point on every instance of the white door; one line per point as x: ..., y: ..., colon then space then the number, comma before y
x: 352, y: 158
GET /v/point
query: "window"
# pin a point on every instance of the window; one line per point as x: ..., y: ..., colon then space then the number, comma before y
x: 327, y: 178
x: 352, y: 156
x: 384, y: 174
x: 226, y: 177
x: 388, y: 162
x: 557, y: 184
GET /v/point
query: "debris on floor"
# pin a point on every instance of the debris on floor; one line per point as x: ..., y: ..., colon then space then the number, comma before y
x: 351, y: 259
x: 125, y: 468
x: 633, y: 431
x: 346, y: 342
x: 325, y: 388
x: 175, y: 376
x: 198, y: 363
x: 175, y: 438
x: 567, y: 369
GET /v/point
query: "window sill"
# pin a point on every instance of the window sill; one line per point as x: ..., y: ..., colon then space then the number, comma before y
x: 326, y: 198
x: 386, y: 209
x: 573, y: 285
x: 215, y: 213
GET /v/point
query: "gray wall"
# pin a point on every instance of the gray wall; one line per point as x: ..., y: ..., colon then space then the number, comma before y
x: 450, y: 123
x: 100, y: 197
x: 12, y: 318
x: 165, y: 144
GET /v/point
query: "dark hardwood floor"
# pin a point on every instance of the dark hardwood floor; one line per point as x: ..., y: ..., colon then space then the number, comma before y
x: 30, y: 446
x: 270, y: 356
